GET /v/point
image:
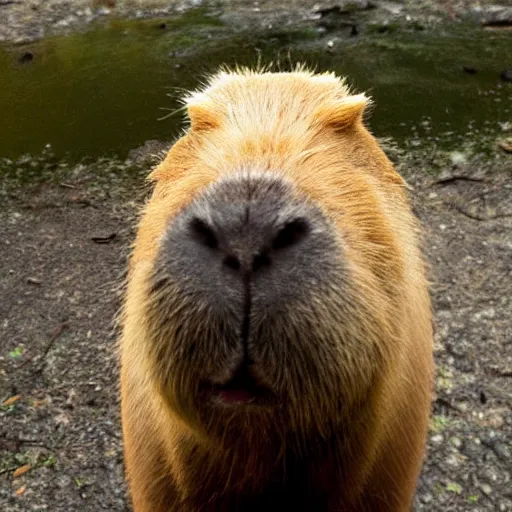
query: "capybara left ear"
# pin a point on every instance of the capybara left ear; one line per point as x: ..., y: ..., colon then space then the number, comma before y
x: 343, y: 112
x: 202, y: 117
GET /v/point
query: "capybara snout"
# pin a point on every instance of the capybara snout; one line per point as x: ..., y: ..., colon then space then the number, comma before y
x: 249, y: 234
x: 250, y: 250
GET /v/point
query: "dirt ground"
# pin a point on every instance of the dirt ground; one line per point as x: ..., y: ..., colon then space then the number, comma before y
x: 64, y: 246
x: 64, y: 250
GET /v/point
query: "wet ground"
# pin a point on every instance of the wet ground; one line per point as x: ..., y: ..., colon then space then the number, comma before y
x: 106, y: 91
x: 67, y: 217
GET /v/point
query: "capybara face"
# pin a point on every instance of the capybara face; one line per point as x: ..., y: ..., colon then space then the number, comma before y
x: 266, y: 248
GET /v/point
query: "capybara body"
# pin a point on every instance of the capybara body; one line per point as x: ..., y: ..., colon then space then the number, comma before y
x: 277, y: 342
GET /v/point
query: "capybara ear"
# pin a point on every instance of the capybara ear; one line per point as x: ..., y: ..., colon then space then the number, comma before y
x: 202, y: 117
x: 343, y: 112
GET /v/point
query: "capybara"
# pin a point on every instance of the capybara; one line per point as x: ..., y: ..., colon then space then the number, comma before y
x: 276, y: 351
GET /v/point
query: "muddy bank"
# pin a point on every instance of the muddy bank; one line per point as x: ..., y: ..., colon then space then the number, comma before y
x: 23, y: 21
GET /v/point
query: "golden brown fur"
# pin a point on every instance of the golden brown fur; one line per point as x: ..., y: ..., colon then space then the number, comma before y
x: 363, y: 456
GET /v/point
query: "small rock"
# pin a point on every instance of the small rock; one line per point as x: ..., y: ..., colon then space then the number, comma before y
x: 393, y: 8
x: 72, y: 399
x: 426, y: 498
x: 484, y: 313
x: 452, y: 461
x: 506, y: 145
x: 495, y: 420
x: 437, y: 439
x: 61, y: 419
x: 62, y: 23
x: 458, y: 158
x: 500, y: 449
x: 486, y: 489
x: 456, y: 442
x: 506, y: 75
x: 343, y: 6
x: 472, y: 449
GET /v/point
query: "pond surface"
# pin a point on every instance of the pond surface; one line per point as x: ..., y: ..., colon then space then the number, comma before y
x: 108, y: 90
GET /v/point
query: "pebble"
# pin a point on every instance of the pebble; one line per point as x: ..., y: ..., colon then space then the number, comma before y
x: 458, y: 158
x: 456, y: 442
x: 486, y: 489
x: 452, y: 461
x: 426, y: 498
x: 500, y: 449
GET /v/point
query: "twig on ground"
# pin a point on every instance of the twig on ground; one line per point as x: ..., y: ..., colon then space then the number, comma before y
x: 475, y: 216
x: 452, y: 179
x: 446, y: 403
x: 53, y: 338
x: 66, y: 185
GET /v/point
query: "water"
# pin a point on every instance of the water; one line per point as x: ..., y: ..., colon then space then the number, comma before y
x: 105, y: 91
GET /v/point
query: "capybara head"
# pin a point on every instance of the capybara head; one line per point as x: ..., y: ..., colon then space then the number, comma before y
x: 266, y: 270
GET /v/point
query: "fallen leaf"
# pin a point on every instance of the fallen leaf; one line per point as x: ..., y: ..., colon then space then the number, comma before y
x: 11, y: 400
x: 21, y: 470
x: 21, y: 490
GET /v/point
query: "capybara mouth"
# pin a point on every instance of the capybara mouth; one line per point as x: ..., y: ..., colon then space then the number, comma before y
x: 244, y: 388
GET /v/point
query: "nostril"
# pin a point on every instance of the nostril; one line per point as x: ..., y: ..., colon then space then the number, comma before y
x: 291, y: 233
x: 260, y: 260
x: 204, y: 233
x: 232, y: 262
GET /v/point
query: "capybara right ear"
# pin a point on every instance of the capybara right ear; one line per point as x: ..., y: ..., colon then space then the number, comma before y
x: 202, y: 117
x: 343, y: 112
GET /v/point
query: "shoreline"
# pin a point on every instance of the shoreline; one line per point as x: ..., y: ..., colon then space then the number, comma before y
x: 24, y: 22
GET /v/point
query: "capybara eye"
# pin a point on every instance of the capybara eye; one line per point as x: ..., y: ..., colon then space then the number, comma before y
x: 204, y: 233
x: 290, y: 234
x: 232, y: 262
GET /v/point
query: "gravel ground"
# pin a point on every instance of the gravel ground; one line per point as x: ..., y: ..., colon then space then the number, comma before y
x: 64, y: 249
x: 25, y: 20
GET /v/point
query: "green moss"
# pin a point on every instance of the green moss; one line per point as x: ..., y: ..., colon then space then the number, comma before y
x: 454, y: 487
x: 438, y: 423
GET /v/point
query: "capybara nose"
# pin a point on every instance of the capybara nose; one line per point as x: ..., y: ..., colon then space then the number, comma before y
x: 246, y: 237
